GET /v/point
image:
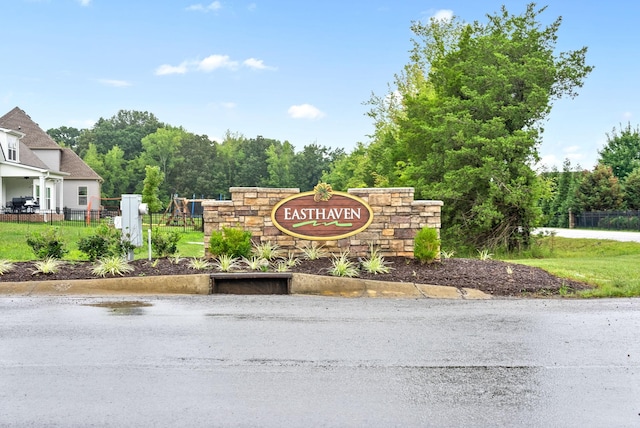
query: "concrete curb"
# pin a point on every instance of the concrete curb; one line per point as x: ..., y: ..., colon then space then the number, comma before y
x: 354, y: 287
x: 176, y: 284
x: 201, y: 284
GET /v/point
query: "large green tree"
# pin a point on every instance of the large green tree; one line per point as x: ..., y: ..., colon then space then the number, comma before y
x: 126, y: 129
x: 599, y: 190
x: 66, y: 136
x: 622, y: 151
x: 473, y: 101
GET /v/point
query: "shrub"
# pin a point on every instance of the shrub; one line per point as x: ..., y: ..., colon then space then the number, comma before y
x: 426, y: 247
x: 164, y: 244
x: 231, y: 241
x: 47, y: 244
x: 105, y: 242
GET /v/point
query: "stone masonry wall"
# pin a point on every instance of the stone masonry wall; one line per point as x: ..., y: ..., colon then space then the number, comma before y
x: 397, y: 217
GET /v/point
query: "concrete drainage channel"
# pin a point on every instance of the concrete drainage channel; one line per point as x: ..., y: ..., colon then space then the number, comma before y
x: 240, y: 283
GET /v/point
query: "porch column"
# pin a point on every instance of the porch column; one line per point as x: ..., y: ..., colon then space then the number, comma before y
x: 43, y: 192
x: 60, y: 186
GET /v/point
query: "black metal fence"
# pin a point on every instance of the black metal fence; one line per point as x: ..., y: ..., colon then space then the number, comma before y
x: 612, y: 220
x: 185, y: 222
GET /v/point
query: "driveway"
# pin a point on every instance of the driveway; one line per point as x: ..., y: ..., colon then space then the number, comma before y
x: 615, y: 235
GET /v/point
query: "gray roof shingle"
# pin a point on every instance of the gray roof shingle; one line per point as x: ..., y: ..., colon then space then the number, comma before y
x: 36, y: 139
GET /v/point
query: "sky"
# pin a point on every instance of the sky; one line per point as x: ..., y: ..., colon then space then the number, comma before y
x: 290, y: 70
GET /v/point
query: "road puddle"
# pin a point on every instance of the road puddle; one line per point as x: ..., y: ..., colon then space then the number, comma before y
x: 124, y: 307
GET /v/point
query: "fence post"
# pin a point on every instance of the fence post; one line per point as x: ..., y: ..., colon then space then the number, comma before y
x: 572, y: 220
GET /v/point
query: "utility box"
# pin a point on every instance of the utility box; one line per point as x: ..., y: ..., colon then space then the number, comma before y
x: 132, y: 210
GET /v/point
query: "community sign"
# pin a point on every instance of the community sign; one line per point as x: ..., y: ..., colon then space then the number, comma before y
x: 322, y: 214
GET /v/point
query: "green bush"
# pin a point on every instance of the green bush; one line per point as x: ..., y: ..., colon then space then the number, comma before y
x: 105, y: 242
x: 426, y: 246
x: 231, y: 241
x: 47, y: 244
x: 164, y: 244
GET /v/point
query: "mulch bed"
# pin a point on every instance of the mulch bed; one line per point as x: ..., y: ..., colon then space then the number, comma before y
x: 494, y: 277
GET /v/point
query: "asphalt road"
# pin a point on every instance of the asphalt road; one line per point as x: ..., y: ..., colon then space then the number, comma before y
x: 302, y: 361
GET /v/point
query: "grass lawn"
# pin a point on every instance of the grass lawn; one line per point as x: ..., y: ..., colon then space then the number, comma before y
x: 13, y: 241
x: 613, y: 266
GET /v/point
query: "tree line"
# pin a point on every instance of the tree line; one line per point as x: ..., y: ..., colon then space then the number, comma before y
x: 613, y: 184
x: 133, y: 146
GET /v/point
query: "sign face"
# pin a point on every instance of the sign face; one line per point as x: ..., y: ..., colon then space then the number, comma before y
x: 334, y: 215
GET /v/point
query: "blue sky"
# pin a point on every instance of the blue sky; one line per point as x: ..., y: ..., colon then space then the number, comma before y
x: 284, y: 69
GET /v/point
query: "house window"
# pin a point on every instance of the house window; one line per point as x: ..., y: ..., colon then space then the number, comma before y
x: 13, y: 150
x: 82, y: 195
x: 48, y: 199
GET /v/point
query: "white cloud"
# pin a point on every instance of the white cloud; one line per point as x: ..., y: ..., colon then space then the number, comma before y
x: 211, y: 63
x: 115, y: 83
x: 214, y: 62
x: 256, y: 64
x: 443, y: 15
x: 305, y: 111
x: 84, y: 2
x: 213, y: 7
x: 627, y: 115
x: 166, y: 69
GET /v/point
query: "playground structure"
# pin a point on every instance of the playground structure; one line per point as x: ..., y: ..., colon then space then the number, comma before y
x: 178, y: 213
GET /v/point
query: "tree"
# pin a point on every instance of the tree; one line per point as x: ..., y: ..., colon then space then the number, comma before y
x: 308, y: 165
x: 599, y: 190
x: 117, y: 173
x: 152, y: 181
x: 631, y: 187
x: 563, y: 197
x: 473, y: 101
x: 194, y: 174
x: 279, y: 164
x: 622, y: 151
x: 126, y: 129
x: 351, y: 171
x: 66, y: 136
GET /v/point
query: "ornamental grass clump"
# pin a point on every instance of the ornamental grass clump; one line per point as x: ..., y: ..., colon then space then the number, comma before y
x: 342, y: 266
x: 226, y: 263
x: 375, y: 263
x: 267, y: 250
x: 5, y: 266
x: 199, y: 264
x: 48, y: 266
x: 256, y: 263
x: 114, y: 265
x: 313, y: 251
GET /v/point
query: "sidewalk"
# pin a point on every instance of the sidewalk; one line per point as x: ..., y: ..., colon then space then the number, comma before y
x: 614, y: 235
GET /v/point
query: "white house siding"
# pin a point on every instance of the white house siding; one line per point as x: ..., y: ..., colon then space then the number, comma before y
x: 70, y: 197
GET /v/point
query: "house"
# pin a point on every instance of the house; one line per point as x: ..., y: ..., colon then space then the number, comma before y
x: 37, y: 174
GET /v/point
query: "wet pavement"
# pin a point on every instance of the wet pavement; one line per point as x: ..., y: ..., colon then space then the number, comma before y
x: 274, y: 361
